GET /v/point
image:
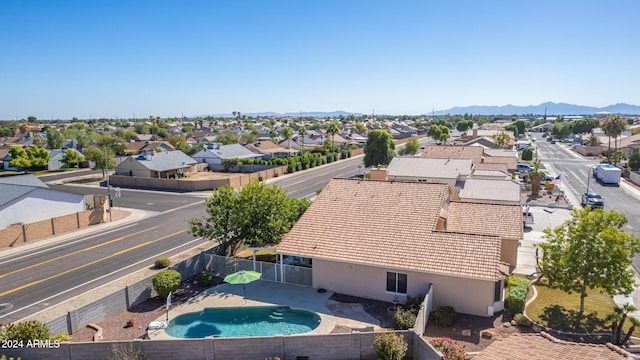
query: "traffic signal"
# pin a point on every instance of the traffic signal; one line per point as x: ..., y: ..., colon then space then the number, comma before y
x: 110, y: 202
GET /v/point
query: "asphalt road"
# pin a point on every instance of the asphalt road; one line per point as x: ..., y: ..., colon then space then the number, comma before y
x: 576, y: 174
x: 48, y: 275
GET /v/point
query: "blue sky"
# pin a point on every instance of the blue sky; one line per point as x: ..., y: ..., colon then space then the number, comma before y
x: 64, y: 59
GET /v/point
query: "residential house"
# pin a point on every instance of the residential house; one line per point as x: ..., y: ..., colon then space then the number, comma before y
x: 490, y: 191
x: 489, y: 219
x: 448, y: 171
x: 215, y: 153
x: 542, y: 346
x: 490, y: 174
x: 26, y: 199
x: 399, y: 248
x: 269, y: 150
x: 55, y: 160
x: 165, y: 165
x: 138, y: 147
x: 542, y: 127
x: 4, y: 152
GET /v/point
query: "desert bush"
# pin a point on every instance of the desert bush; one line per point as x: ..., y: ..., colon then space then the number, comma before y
x: 444, y: 316
x: 449, y: 348
x: 165, y: 282
x: 522, y: 320
x: 405, y: 318
x: 62, y: 337
x: 25, y: 331
x: 4, y: 357
x: 389, y: 346
x: 527, y: 154
x: 205, y: 280
x: 162, y: 262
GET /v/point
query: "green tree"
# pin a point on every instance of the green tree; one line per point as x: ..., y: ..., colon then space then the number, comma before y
x: 590, y: 251
x: 302, y: 132
x: 593, y: 140
x: 254, y: 215
x: 360, y: 127
x: 39, y: 141
x: 379, y: 148
x: 434, y: 132
x: 72, y: 158
x: 166, y: 281
x: 178, y: 141
x: 527, y: 154
x: 96, y: 156
x: 38, y: 156
x: 534, y: 177
x: 464, y: 125
x: 227, y: 137
x: 411, y: 148
x: 19, y: 158
x: 287, y: 132
x: 54, y: 139
x: 501, y: 140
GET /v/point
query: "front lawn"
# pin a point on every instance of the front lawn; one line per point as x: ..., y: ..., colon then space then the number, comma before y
x: 558, y: 310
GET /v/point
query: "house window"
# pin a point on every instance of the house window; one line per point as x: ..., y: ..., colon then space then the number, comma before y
x: 397, y: 283
x: 497, y: 291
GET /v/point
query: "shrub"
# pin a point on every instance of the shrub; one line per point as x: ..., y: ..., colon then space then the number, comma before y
x: 405, y: 318
x: 62, y: 337
x: 527, y: 154
x: 165, y: 282
x: 389, y: 346
x: 4, y: 357
x: 26, y: 330
x: 515, y: 299
x: 205, y: 280
x: 449, y: 348
x: 162, y: 262
x: 518, y: 281
x: 444, y: 316
x: 522, y: 320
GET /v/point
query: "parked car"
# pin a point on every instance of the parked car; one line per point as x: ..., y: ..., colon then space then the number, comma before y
x: 525, y: 167
x: 592, y: 199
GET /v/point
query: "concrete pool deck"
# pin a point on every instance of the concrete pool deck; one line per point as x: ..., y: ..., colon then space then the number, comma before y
x: 266, y: 293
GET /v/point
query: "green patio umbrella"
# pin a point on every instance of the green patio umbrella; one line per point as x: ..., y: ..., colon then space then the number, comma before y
x: 242, y: 277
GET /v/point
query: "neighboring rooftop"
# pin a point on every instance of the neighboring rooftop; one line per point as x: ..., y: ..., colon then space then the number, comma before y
x: 419, y: 167
x: 13, y: 187
x: 545, y: 347
x: 474, y: 153
x: 165, y: 161
x: 493, y: 191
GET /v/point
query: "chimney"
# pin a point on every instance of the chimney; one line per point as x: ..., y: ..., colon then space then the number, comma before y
x: 378, y: 174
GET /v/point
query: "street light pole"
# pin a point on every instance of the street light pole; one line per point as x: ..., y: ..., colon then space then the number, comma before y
x: 106, y: 167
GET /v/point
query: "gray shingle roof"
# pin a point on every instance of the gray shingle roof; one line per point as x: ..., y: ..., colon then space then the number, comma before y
x: 165, y: 161
x: 13, y: 187
x: 429, y: 168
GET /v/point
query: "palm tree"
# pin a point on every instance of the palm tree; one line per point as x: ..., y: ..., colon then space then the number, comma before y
x: 613, y: 127
x: 534, y: 176
x: 302, y: 131
x: 332, y: 129
x: 593, y: 140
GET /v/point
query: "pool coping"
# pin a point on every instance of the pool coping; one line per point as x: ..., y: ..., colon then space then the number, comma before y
x: 259, y: 293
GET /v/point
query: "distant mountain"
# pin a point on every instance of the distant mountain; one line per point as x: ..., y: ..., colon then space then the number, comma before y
x: 316, y: 114
x: 551, y: 109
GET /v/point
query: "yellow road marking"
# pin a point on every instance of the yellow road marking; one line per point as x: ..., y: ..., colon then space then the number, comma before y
x: 87, y: 264
x: 77, y: 252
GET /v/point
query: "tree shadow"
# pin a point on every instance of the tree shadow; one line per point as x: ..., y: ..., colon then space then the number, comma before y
x: 559, y: 318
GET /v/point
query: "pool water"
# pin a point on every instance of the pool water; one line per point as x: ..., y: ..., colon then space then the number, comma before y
x: 243, y: 321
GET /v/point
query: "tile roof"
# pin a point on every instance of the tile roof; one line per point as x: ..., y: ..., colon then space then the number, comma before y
x: 486, y: 219
x: 486, y: 189
x: 545, y: 347
x: 411, y: 166
x: 395, y: 229
x: 268, y: 147
x: 474, y: 153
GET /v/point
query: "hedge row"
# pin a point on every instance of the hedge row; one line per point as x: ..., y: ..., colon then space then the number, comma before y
x: 518, y: 289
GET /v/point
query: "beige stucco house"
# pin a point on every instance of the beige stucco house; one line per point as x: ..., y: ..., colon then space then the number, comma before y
x: 386, y: 240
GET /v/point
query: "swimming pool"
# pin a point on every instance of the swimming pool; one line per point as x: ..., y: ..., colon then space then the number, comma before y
x: 243, y: 321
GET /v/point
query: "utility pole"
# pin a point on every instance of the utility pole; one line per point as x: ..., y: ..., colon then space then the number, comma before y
x: 106, y: 167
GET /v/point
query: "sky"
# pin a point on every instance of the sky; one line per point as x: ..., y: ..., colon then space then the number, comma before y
x: 120, y: 59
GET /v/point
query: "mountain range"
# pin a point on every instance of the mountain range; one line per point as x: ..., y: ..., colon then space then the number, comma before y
x: 549, y: 108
